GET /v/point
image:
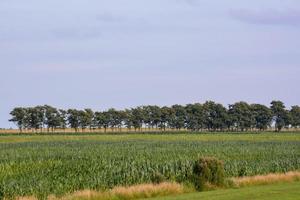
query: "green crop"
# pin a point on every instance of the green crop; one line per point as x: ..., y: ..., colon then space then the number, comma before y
x: 60, y: 166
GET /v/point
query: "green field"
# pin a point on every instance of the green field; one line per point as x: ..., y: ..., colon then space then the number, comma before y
x: 44, y: 164
x: 286, y: 191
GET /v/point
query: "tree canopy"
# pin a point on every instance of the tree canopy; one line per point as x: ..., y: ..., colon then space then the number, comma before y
x: 209, y: 116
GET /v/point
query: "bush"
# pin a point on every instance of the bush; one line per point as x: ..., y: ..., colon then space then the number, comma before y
x: 242, y: 172
x: 208, y: 171
x: 157, y: 178
x: 1, y: 192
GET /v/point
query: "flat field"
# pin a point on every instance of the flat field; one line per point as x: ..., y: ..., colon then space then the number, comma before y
x: 58, y: 164
x: 283, y: 191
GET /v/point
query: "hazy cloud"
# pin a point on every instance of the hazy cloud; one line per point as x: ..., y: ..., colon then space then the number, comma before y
x: 268, y: 17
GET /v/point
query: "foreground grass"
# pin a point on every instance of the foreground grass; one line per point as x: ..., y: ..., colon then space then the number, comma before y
x: 129, y: 193
x: 172, y: 189
x: 280, y: 191
x: 121, y: 193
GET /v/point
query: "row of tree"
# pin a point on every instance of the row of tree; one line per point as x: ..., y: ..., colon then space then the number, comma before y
x: 209, y: 116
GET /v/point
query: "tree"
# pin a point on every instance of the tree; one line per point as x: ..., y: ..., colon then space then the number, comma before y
x: 19, y: 117
x: 114, y: 120
x: 73, y: 116
x: 178, y: 118
x: 102, y: 120
x: 120, y: 118
x: 242, y: 116
x: 262, y: 115
x: 35, y: 117
x: 215, y: 115
x: 137, y: 117
x: 52, y: 117
x: 155, y: 116
x: 280, y: 115
x: 63, y: 118
x: 146, y: 112
x: 194, y: 116
x: 165, y: 117
x: 86, y: 117
x: 128, y: 118
x: 295, y: 116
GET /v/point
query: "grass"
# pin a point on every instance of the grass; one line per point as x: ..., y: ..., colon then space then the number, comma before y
x: 266, y: 179
x: 129, y: 193
x: 174, y: 189
x: 169, y: 189
x: 121, y: 193
x: 41, y: 165
x: 280, y: 191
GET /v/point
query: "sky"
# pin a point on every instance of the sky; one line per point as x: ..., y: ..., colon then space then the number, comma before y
x: 102, y: 54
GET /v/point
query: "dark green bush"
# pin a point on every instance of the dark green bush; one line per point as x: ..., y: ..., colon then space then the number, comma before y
x: 208, y: 171
x: 1, y: 192
x: 157, y: 178
x: 242, y: 172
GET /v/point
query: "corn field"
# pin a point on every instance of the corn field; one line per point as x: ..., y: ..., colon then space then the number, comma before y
x: 59, y: 165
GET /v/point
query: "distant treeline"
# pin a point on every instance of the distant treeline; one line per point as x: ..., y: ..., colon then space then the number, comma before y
x: 209, y: 116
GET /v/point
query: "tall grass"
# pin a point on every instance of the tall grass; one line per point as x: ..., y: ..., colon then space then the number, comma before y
x: 120, y: 193
x: 266, y: 179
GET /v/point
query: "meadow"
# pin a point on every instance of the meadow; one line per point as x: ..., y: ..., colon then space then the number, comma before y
x: 41, y: 165
x: 282, y: 191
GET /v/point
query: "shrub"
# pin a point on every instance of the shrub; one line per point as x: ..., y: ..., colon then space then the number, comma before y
x: 242, y: 172
x: 208, y: 171
x: 1, y: 192
x: 157, y: 178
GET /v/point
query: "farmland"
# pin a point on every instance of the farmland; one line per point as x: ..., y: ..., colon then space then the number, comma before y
x: 286, y: 191
x: 41, y: 165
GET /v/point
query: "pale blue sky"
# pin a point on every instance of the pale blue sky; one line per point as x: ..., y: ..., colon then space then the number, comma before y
x: 117, y: 53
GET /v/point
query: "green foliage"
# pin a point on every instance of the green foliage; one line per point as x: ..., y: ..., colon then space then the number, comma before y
x: 242, y: 171
x: 295, y: 116
x: 19, y: 117
x: 52, y: 117
x: 195, y: 119
x: 86, y: 118
x: 242, y: 115
x: 262, y: 116
x: 102, y: 120
x: 178, y: 117
x: 280, y: 114
x: 1, y: 193
x: 209, y: 116
x: 73, y: 116
x: 137, y: 117
x: 158, y: 178
x: 215, y: 116
x: 208, y: 170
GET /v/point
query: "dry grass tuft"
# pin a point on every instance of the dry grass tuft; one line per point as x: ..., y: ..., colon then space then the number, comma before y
x: 126, y: 193
x: 26, y: 198
x: 147, y: 190
x: 266, y: 179
x: 84, y: 194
